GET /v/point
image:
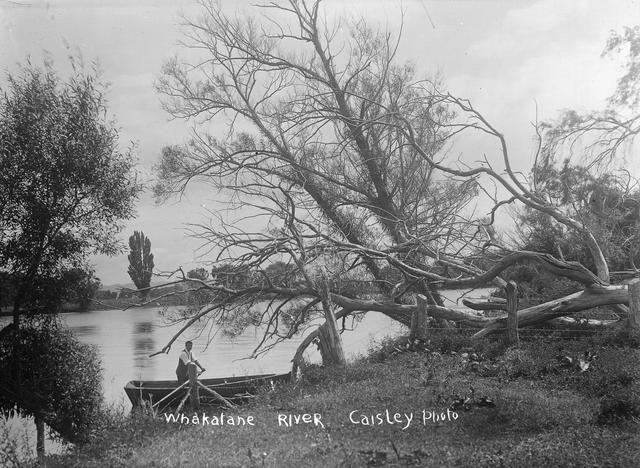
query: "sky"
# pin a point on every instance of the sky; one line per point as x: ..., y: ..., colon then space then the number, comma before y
x: 518, y: 61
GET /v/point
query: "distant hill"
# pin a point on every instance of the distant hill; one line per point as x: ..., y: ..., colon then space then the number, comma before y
x: 117, y: 286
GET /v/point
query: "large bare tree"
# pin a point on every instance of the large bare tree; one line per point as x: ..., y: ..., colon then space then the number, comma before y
x: 340, y: 158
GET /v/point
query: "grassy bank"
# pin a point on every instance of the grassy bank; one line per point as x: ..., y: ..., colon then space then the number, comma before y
x: 532, y: 406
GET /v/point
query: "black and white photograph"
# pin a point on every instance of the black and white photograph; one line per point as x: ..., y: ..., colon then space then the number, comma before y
x: 319, y: 233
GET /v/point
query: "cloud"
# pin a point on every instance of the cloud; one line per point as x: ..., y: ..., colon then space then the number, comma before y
x: 549, y: 27
x: 545, y: 53
x: 528, y: 30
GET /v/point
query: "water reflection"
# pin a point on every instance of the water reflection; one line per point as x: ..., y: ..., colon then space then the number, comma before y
x: 125, y: 340
x: 143, y: 347
x: 84, y: 330
x: 143, y: 328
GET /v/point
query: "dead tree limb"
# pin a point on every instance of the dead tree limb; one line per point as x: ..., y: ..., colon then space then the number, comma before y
x: 582, y: 300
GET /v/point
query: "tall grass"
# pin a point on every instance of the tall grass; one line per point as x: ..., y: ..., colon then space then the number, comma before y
x: 15, y: 443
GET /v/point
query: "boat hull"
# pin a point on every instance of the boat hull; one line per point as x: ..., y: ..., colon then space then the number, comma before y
x: 231, y: 388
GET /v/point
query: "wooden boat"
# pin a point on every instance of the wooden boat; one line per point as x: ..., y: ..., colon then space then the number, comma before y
x: 234, y: 389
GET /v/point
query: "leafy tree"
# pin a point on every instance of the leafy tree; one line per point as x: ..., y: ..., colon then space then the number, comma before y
x: 49, y: 293
x: 64, y: 183
x: 65, y: 187
x: 66, y: 373
x: 606, y: 203
x: 82, y: 285
x: 140, y: 261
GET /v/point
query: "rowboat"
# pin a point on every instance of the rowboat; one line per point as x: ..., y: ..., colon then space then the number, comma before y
x: 234, y: 389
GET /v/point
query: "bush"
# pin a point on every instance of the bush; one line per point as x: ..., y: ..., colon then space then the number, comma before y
x: 60, y: 379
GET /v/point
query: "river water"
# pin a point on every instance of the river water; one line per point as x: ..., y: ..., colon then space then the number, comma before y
x: 125, y: 340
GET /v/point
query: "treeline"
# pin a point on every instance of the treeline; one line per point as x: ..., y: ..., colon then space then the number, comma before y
x: 279, y: 274
x: 75, y: 287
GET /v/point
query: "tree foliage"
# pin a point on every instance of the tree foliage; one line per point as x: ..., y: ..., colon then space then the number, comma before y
x: 140, y: 261
x: 65, y: 185
x: 628, y: 87
x: 82, y: 285
x: 608, y: 204
x: 49, y: 293
x: 61, y: 378
x: 582, y: 165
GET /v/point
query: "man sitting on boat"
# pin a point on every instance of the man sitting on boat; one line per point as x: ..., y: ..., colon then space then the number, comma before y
x: 186, y: 358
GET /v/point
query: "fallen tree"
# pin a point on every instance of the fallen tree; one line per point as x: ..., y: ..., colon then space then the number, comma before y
x: 594, y: 295
x: 343, y: 160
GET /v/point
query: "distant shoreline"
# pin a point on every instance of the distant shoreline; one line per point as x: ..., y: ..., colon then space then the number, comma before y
x: 103, y: 305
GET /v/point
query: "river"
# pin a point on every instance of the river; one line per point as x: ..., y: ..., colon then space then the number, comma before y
x: 125, y: 340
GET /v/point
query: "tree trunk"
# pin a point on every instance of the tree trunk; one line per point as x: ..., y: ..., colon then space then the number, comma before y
x: 40, y: 438
x: 330, y: 340
x: 602, y: 269
x: 511, y: 290
x: 419, y: 320
x: 633, y: 320
x: 587, y: 299
x: 297, y: 358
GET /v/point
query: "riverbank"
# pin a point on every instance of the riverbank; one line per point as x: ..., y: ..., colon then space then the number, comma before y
x: 107, y: 304
x: 553, y: 402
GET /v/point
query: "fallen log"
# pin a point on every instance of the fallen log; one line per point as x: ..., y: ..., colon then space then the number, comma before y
x: 476, y: 304
x: 556, y: 309
x: 590, y: 322
x: 596, y: 296
x: 467, y: 318
x: 576, y: 302
x: 490, y: 305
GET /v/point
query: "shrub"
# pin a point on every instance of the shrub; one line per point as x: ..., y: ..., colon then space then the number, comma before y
x: 60, y: 379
